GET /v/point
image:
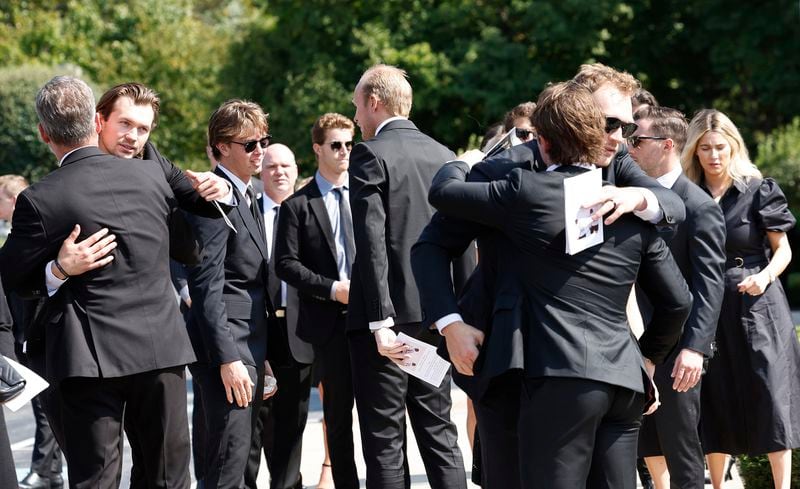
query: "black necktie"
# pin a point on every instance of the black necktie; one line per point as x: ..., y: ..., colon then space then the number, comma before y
x: 255, y: 211
x: 346, y: 228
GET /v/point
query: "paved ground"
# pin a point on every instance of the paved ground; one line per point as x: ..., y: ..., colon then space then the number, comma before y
x: 20, y: 426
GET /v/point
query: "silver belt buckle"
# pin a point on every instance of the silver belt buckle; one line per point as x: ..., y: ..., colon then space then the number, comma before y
x: 280, y: 313
x: 739, y: 261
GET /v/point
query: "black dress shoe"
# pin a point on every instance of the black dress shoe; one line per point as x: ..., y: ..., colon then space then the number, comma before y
x: 35, y: 481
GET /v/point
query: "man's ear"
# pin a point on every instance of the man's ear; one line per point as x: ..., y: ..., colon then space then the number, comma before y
x: 317, y: 149
x: 43, y: 135
x: 669, y: 144
x: 98, y: 122
x: 223, y: 148
x: 373, y: 102
x: 544, y: 144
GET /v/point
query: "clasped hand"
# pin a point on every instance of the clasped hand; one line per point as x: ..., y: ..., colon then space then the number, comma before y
x: 389, y: 347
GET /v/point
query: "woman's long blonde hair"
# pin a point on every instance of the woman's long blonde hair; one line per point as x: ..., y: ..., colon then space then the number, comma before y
x: 740, y: 169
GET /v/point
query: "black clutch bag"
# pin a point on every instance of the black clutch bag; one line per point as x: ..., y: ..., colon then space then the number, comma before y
x: 11, y: 382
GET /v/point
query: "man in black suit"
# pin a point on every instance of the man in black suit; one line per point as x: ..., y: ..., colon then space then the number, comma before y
x: 228, y: 320
x: 577, y: 402
x: 315, y: 252
x: 669, y: 439
x: 278, y: 426
x: 45, y: 471
x: 447, y: 237
x: 103, y: 331
x: 390, y: 172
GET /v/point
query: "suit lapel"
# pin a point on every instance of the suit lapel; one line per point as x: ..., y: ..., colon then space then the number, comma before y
x: 317, y: 206
x: 247, y: 217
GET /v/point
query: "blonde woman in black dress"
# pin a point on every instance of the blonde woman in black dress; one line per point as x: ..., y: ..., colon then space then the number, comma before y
x: 751, y: 393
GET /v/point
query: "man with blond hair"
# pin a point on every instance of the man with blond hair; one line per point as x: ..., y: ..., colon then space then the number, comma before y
x: 390, y: 172
x: 488, y: 303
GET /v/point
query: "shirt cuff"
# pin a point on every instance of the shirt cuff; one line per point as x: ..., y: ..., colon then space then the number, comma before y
x: 376, y: 325
x: 229, y: 199
x: 184, y: 293
x: 653, y: 212
x: 53, y: 283
x: 333, y: 290
x: 447, y: 321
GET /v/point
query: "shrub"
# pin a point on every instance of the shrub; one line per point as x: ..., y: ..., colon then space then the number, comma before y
x: 756, y: 474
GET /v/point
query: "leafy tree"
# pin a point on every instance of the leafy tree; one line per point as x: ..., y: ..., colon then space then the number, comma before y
x: 21, y: 150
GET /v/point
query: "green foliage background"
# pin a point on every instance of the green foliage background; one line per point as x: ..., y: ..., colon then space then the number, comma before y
x: 468, y: 60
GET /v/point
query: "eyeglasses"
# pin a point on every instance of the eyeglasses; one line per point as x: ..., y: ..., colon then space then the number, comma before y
x: 250, y: 146
x: 635, y: 141
x: 337, y: 145
x: 524, y: 134
x: 628, y: 128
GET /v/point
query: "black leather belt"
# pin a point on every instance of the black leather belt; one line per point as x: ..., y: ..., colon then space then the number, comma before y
x: 743, y: 261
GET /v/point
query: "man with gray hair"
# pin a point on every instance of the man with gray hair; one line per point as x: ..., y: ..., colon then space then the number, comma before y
x: 105, y: 329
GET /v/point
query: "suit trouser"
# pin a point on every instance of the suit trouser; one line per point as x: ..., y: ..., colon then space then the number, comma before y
x: 46, y: 454
x: 8, y: 475
x: 154, y: 407
x: 337, y: 406
x: 383, y: 392
x: 578, y: 433
x: 672, y: 431
x: 229, y: 428
x: 278, y: 427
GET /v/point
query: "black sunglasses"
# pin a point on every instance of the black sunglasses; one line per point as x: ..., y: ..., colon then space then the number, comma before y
x: 337, y: 145
x: 250, y: 146
x: 635, y: 141
x: 628, y: 128
x: 524, y: 134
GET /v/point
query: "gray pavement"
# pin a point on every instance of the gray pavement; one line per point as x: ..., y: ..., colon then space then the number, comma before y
x: 20, y: 426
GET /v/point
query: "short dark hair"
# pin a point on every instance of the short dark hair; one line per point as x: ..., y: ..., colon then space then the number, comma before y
x: 328, y: 121
x: 643, y: 97
x: 666, y: 122
x: 140, y: 94
x: 525, y: 109
x: 233, y: 118
x: 65, y: 107
x: 568, y: 118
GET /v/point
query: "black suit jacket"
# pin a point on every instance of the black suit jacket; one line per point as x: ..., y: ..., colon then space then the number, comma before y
x: 698, y: 246
x: 305, y: 253
x: 184, y: 247
x: 389, y: 179
x: 227, y: 321
x: 121, y: 319
x: 284, y: 342
x: 570, y: 309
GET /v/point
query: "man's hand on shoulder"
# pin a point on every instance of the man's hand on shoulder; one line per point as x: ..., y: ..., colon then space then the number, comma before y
x: 617, y: 201
x: 471, y: 157
x: 463, y: 345
x: 208, y: 185
x: 76, y: 258
x: 237, y: 383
